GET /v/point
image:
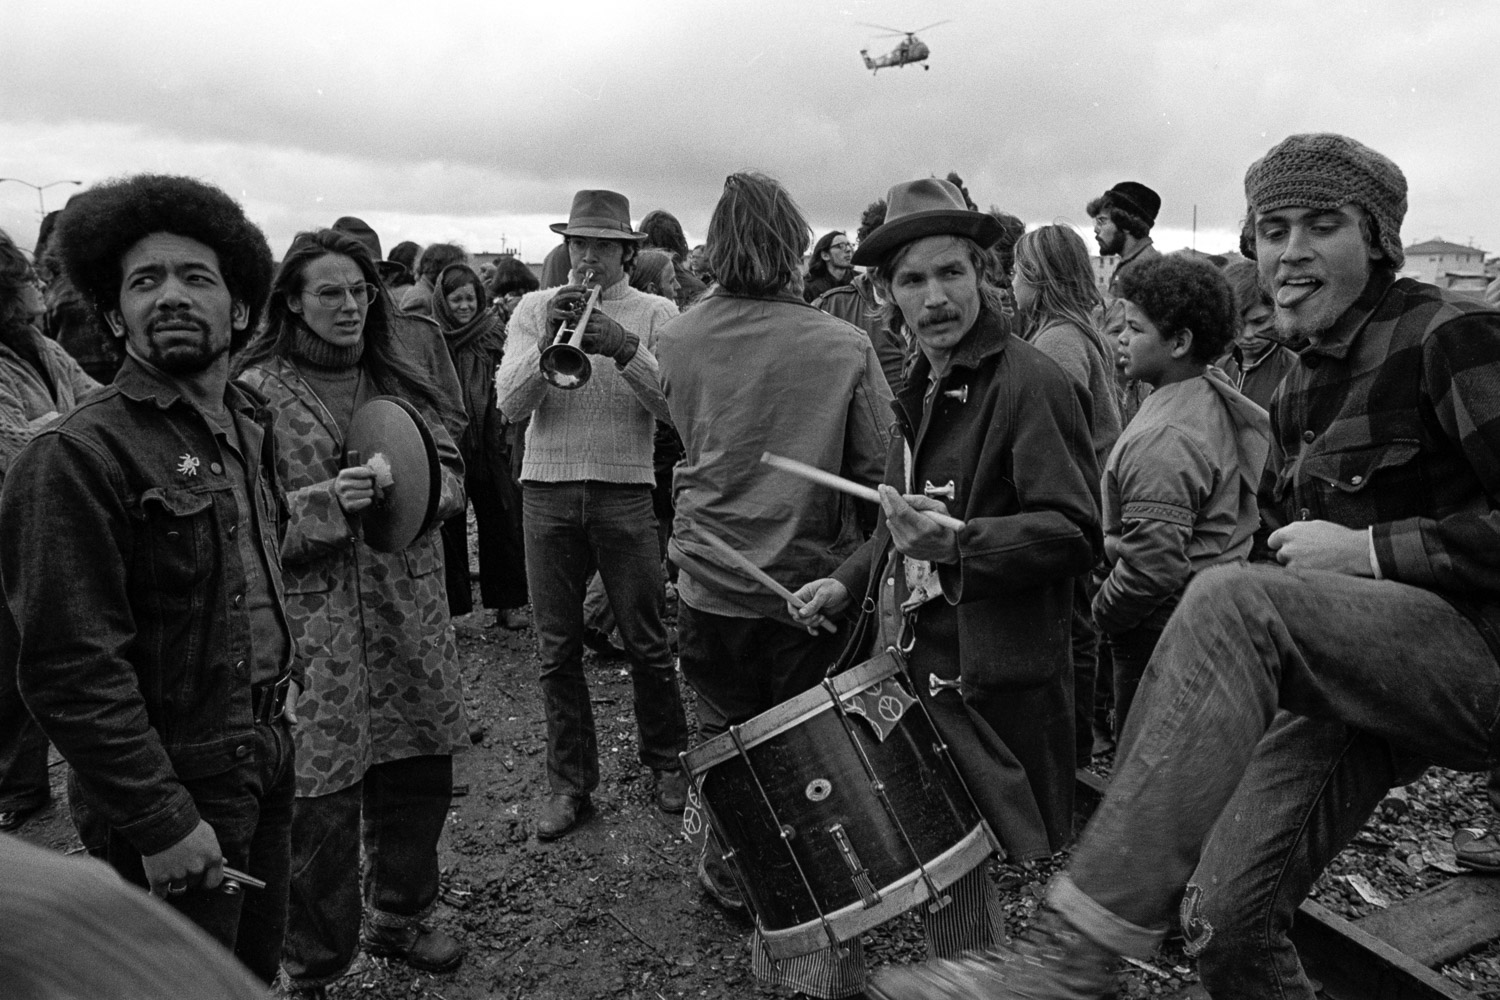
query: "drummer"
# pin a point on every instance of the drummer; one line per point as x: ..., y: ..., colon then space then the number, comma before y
x: 993, y: 432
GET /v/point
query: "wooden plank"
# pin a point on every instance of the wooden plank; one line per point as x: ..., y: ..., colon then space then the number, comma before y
x: 1355, y: 965
x: 1442, y: 923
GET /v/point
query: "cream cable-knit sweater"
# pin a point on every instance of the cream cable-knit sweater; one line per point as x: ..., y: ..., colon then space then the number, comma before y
x: 604, y: 430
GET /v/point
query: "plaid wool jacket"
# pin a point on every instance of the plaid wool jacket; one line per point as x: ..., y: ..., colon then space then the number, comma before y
x: 1392, y: 421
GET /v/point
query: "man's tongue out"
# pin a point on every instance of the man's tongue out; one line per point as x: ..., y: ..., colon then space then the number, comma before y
x: 1293, y: 292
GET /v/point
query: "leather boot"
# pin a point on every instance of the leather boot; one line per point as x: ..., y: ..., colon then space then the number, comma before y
x: 560, y: 813
x: 1051, y: 960
x: 419, y: 945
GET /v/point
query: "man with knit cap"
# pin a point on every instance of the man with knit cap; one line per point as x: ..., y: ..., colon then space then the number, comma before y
x: 1123, y: 217
x: 1284, y: 700
x: 586, y: 500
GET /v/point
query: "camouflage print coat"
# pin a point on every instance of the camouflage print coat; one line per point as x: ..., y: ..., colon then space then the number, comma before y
x: 371, y: 627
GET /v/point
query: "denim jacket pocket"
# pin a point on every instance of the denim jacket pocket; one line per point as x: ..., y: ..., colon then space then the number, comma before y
x: 182, y: 543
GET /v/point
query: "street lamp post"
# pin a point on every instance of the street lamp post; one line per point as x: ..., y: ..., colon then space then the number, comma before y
x: 41, y: 206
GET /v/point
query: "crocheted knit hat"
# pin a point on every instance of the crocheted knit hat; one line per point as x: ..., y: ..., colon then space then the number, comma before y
x: 1324, y: 170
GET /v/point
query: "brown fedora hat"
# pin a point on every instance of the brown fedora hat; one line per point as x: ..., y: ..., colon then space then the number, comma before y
x: 600, y: 214
x: 928, y: 207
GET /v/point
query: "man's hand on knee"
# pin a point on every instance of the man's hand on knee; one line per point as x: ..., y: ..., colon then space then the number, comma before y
x: 1323, y: 545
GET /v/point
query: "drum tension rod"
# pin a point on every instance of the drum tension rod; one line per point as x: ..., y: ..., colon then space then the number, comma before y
x: 859, y: 874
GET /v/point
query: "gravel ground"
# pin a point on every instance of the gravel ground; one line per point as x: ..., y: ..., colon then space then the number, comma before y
x: 613, y: 910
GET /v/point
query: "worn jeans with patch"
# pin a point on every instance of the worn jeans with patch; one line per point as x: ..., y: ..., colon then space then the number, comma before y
x: 396, y: 813
x: 570, y: 528
x: 1279, y: 705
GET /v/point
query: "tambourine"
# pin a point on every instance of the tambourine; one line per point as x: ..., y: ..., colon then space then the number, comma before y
x: 389, y: 435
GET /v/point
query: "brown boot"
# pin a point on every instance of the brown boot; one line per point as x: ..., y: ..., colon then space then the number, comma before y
x: 560, y: 813
x: 418, y: 945
x: 1050, y: 961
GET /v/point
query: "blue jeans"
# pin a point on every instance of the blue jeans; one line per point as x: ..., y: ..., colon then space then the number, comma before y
x: 396, y: 812
x: 1374, y: 675
x: 250, y: 810
x: 570, y: 528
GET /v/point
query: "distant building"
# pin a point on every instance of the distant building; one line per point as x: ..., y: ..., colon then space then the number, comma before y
x: 1448, y: 265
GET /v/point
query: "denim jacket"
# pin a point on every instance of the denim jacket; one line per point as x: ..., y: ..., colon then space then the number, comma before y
x: 123, y: 584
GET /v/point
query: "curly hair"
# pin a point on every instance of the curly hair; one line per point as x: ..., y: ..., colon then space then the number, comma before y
x: 1182, y: 293
x: 405, y: 253
x: 438, y: 256
x: 1011, y: 230
x: 871, y: 219
x: 387, y: 361
x: 664, y: 232
x: 99, y: 227
x: 1126, y: 222
x: 756, y: 236
x: 512, y: 276
x: 15, y: 275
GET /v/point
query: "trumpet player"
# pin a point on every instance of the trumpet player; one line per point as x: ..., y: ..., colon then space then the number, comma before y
x: 586, y: 499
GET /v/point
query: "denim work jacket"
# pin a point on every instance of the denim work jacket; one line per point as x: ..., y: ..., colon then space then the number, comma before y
x: 124, y: 588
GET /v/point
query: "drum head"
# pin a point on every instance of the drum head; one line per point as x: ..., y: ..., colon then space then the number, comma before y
x: 389, y: 434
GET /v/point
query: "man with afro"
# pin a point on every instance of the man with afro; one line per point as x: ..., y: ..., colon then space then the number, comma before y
x: 1286, y: 697
x: 141, y: 570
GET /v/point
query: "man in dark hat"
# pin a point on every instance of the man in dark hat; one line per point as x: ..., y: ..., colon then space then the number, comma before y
x: 1123, y: 217
x: 586, y: 501
x: 1283, y: 701
x: 993, y: 432
x: 141, y: 565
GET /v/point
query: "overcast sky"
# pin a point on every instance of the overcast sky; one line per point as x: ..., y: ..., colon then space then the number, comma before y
x: 476, y: 121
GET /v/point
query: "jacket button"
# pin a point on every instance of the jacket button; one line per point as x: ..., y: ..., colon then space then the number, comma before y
x: 890, y: 581
x: 216, y: 468
x: 239, y: 599
x: 239, y: 666
x: 1356, y: 480
x: 242, y: 751
x: 234, y: 529
x: 1304, y: 514
x: 172, y: 536
x: 1308, y: 436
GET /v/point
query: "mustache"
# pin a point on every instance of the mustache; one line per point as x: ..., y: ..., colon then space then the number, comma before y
x: 933, y: 319
x: 156, y: 322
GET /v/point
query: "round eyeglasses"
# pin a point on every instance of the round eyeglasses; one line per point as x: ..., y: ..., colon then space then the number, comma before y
x: 332, y: 296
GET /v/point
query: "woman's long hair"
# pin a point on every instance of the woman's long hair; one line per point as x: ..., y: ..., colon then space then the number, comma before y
x: 15, y: 276
x: 388, y: 363
x: 1055, y: 263
x: 650, y: 266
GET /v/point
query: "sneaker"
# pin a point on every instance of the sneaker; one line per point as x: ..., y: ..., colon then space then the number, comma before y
x: 1049, y: 961
x: 718, y: 881
x: 671, y: 791
x: 1478, y: 850
x: 419, y: 945
x: 560, y: 813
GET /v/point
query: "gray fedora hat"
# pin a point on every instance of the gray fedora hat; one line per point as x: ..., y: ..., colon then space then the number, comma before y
x: 926, y: 207
x: 600, y: 214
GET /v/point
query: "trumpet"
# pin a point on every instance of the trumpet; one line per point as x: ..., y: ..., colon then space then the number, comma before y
x: 563, y: 363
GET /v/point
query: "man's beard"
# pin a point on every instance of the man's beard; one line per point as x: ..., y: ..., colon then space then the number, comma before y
x: 1114, y: 246
x: 180, y: 357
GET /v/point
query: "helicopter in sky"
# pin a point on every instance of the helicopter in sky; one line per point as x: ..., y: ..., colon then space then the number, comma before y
x: 910, y: 49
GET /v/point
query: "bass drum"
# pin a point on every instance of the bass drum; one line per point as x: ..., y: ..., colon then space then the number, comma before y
x: 839, y: 809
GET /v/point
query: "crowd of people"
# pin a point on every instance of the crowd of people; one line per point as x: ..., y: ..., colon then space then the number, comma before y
x: 1236, y: 519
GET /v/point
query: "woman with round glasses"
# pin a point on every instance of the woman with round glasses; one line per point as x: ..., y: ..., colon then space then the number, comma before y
x: 383, y: 712
x: 475, y: 336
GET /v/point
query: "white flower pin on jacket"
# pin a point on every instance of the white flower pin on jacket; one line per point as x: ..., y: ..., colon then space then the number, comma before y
x: 188, y: 465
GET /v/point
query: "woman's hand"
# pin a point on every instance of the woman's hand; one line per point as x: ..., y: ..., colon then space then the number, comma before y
x: 355, y: 488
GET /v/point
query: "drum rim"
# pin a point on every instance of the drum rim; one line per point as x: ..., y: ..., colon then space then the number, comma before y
x: 791, y: 713
x: 434, y: 462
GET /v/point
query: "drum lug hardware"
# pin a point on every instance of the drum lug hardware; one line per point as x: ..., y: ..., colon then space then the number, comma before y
x: 859, y: 875
x: 788, y: 832
x: 877, y: 786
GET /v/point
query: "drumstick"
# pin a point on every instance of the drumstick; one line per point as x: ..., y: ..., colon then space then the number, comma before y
x: 761, y: 576
x: 817, y: 475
